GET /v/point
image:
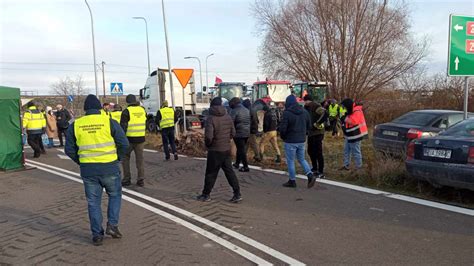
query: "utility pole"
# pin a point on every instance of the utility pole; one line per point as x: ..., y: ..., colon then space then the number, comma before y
x: 93, y: 50
x: 168, y: 56
x: 103, y: 77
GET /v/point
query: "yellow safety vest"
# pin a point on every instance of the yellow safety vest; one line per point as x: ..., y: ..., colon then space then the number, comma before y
x: 167, y: 117
x: 34, y: 122
x: 116, y: 115
x: 103, y: 112
x: 137, y: 123
x: 342, y: 111
x: 333, y: 110
x: 94, y: 139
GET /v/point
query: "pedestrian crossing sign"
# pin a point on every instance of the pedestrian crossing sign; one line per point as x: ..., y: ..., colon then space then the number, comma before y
x: 116, y: 89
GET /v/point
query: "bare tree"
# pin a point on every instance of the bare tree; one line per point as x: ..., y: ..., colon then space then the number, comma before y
x: 360, y: 46
x: 67, y: 86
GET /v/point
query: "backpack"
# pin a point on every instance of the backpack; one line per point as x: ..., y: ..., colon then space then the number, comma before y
x: 323, y: 120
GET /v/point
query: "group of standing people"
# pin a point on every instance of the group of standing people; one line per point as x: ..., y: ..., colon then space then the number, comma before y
x: 298, y: 125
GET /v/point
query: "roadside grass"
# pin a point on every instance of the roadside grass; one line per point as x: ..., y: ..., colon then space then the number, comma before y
x: 379, y: 171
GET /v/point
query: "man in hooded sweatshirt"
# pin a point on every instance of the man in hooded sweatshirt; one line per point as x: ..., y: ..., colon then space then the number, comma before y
x: 241, y: 117
x: 219, y: 131
x: 294, y: 126
x: 97, y: 143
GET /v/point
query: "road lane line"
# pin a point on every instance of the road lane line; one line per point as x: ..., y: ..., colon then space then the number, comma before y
x: 152, y: 151
x: 240, y: 251
x: 262, y: 247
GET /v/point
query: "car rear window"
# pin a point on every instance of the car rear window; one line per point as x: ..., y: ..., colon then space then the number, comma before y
x: 415, y: 118
x: 461, y: 129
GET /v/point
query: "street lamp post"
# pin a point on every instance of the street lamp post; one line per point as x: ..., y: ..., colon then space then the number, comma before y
x: 207, y: 79
x: 200, y: 72
x: 147, y: 45
x: 93, y: 50
x: 168, y: 56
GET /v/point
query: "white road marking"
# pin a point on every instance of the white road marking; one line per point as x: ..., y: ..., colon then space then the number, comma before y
x: 262, y: 247
x: 152, y: 151
x: 64, y: 157
x: 221, y: 241
x: 414, y: 200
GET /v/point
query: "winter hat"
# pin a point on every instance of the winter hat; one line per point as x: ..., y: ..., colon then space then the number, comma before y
x: 348, y: 104
x: 290, y: 101
x: 30, y: 104
x: 92, y: 102
x: 247, y: 104
x: 164, y: 104
x: 234, y: 102
x: 308, y: 97
x: 216, y: 101
x: 131, y: 99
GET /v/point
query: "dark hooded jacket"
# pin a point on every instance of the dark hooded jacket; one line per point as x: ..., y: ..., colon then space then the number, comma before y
x: 219, y: 129
x: 318, y: 116
x: 295, y: 122
x: 241, y: 117
x: 253, y: 117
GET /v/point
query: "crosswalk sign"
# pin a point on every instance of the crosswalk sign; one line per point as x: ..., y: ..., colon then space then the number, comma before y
x: 116, y: 89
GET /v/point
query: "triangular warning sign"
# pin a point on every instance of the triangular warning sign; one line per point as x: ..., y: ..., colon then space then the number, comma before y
x: 183, y: 75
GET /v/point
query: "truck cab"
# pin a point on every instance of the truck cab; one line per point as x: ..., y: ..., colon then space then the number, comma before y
x: 318, y: 90
x: 157, y: 90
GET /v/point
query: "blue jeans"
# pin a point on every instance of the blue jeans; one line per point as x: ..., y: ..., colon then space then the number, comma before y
x: 352, y: 149
x: 50, y: 143
x: 292, y: 150
x: 93, y: 187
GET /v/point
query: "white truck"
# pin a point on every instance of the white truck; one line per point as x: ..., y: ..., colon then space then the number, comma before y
x: 157, y: 89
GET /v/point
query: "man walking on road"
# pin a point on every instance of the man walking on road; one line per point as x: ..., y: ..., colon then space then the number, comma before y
x: 97, y: 143
x: 253, y: 130
x: 241, y: 117
x: 219, y: 132
x: 62, y: 117
x: 316, y: 135
x: 293, y: 128
x: 34, y: 123
x: 133, y: 122
x: 166, y: 118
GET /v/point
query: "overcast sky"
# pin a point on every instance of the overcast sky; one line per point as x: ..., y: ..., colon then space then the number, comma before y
x: 43, y: 41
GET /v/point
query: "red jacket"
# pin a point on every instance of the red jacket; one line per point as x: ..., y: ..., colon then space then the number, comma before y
x: 355, y: 128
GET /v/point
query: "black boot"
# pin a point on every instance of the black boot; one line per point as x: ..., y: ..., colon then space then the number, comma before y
x: 97, y: 240
x: 311, y: 180
x: 113, y: 231
x: 290, y: 183
x: 278, y: 159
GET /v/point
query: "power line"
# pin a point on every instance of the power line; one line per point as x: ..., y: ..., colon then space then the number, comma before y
x: 68, y: 70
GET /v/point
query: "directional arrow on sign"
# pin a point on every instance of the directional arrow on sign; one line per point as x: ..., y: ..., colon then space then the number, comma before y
x: 457, y: 27
x: 456, y: 61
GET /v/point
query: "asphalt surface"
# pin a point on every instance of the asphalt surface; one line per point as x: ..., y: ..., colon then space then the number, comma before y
x: 43, y: 219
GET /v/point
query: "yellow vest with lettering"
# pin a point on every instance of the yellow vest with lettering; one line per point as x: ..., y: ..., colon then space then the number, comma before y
x: 116, y: 115
x: 33, y: 121
x: 137, y: 123
x: 167, y: 117
x: 94, y: 139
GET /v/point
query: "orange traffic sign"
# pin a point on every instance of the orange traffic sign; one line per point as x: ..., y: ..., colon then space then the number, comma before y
x: 183, y: 75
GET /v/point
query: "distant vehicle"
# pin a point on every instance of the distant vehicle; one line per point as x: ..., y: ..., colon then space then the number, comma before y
x: 318, y: 90
x: 278, y: 90
x: 392, y: 138
x: 158, y: 81
x: 229, y: 90
x: 447, y: 159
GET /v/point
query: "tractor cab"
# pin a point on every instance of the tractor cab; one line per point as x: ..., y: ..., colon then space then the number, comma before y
x: 229, y: 90
x: 277, y: 90
x: 318, y: 90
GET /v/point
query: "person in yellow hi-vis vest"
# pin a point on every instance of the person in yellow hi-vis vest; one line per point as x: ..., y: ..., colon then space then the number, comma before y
x: 34, y: 123
x: 97, y: 143
x: 117, y: 113
x: 133, y: 122
x: 166, y: 118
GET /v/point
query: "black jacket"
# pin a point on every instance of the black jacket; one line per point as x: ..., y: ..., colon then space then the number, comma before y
x: 294, y: 124
x: 270, y: 120
x: 219, y: 129
x: 62, y: 117
x: 124, y: 124
x: 241, y: 117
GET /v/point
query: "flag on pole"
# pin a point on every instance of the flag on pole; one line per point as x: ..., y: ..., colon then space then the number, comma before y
x: 218, y: 80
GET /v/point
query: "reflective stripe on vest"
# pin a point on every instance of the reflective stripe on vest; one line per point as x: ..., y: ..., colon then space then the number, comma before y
x: 167, y: 117
x: 116, y: 115
x: 137, y: 123
x: 333, y: 110
x: 94, y: 139
x: 359, y: 130
x: 34, y: 121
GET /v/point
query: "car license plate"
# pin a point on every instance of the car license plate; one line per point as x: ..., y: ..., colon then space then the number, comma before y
x: 445, y: 154
x: 390, y: 133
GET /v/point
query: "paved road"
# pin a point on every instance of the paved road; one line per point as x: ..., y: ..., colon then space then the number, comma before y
x: 43, y: 219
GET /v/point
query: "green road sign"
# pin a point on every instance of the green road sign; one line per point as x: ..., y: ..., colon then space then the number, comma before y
x: 461, y: 46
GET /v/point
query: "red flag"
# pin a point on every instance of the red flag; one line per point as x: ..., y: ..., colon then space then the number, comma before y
x: 218, y: 80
